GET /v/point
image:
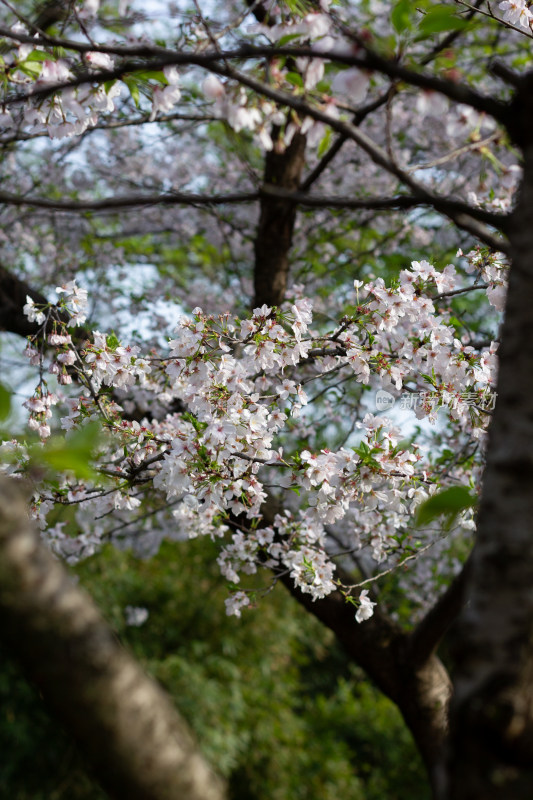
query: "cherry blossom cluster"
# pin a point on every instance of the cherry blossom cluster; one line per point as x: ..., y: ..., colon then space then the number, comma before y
x: 109, y: 364
x: 237, y: 419
x: 71, y: 111
x: 491, y: 268
x: 68, y: 112
x: 517, y: 13
x: 239, y: 388
x: 40, y: 408
x: 407, y: 341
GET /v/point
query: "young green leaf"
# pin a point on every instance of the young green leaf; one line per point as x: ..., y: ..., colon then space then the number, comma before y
x: 401, y: 16
x: 441, y: 19
x: 73, y: 454
x: 448, y: 503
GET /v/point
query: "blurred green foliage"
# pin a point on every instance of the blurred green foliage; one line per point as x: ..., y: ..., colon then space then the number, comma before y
x: 276, y: 706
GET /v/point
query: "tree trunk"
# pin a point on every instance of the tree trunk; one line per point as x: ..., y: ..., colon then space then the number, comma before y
x: 491, y: 749
x: 276, y: 223
x: 136, y: 743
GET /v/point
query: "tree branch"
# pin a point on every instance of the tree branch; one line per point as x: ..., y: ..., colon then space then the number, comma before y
x: 445, y: 205
x: 13, y: 292
x: 463, y: 215
x: 428, y: 634
x: 376, y: 153
x: 373, y: 644
x: 328, y: 157
x: 378, y: 645
x: 458, y: 92
x: 129, y: 201
x: 144, y: 119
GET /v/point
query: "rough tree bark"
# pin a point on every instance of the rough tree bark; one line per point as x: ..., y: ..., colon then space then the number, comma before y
x: 276, y: 223
x: 491, y: 750
x: 136, y: 743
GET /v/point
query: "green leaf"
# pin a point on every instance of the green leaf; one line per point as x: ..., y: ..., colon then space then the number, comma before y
x: 440, y: 19
x: 31, y: 68
x: 324, y: 144
x: 449, y: 503
x: 73, y: 454
x: 401, y: 15
x: 5, y: 402
x: 300, y: 7
x: 112, y: 342
x: 153, y: 75
x: 288, y: 38
x: 295, y: 79
x: 133, y: 90
x: 39, y: 55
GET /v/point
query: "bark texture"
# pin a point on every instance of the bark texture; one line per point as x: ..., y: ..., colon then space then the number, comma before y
x: 276, y: 223
x: 491, y: 749
x: 138, y: 746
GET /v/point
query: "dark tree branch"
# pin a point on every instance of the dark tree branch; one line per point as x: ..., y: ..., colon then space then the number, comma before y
x: 328, y: 157
x: 447, y: 206
x: 466, y: 223
x: 378, y: 645
x: 13, y: 292
x: 462, y: 214
x: 144, y: 119
x: 426, y: 637
x: 454, y: 292
x: 381, y: 647
x: 458, y: 92
x: 133, y: 51
x: 363, y: 112
x: 376, y: 153
x: 505, y: 74
x: 129, y: 201
x: 373, y: 644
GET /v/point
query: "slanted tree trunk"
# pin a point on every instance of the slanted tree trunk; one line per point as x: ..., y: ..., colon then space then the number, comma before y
x: 135, y: 741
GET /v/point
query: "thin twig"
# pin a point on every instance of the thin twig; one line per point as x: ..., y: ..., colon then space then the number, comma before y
x: 391, y: 569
